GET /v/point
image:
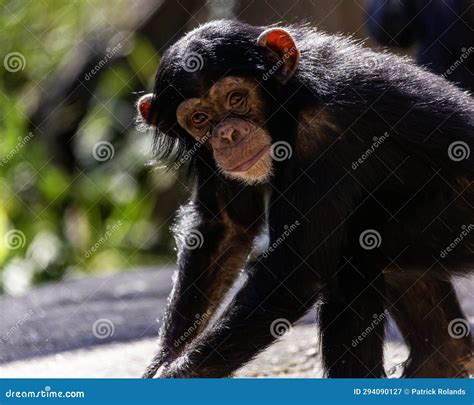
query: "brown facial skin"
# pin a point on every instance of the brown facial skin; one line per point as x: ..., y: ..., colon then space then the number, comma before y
x: 230, y: 120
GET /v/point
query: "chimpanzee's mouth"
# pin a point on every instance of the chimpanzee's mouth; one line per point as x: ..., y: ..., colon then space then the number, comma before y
x: 246, y: 165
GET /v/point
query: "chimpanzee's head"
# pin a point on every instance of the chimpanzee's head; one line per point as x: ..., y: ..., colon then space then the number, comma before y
x: 208, y: 90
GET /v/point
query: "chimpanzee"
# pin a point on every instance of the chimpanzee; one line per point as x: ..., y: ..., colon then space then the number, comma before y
x: 358, y: 166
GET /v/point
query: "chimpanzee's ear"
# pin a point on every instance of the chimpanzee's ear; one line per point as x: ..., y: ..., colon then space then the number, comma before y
x: 144, y: 108
x: 282, y: 50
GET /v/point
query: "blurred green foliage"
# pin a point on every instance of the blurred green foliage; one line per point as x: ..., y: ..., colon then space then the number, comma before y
x: 102, y: 215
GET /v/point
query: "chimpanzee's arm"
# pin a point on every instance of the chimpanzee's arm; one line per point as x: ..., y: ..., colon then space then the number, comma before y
x: 284, y: 283
x: 214, y: 237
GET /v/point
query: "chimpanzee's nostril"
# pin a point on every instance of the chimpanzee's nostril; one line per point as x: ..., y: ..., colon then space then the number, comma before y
x: 233, y: 136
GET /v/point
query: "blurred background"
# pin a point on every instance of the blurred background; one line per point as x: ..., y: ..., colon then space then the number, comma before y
x: 79, y: 192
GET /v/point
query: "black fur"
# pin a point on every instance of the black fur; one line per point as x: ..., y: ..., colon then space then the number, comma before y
x: 409, y: 191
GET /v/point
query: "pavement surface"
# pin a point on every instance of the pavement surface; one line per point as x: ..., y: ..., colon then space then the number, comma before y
x: 60, y: 317
x: 296, y: 355
x: 107, y: 327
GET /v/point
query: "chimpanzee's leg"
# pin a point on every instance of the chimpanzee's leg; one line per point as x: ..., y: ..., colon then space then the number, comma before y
x: 352, y: 319
x: 430, y: 319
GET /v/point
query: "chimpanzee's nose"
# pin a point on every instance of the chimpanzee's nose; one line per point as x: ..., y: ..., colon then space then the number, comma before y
x: 229, y: 133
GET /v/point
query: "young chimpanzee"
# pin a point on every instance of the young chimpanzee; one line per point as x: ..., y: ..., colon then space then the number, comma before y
x: 357, y: 163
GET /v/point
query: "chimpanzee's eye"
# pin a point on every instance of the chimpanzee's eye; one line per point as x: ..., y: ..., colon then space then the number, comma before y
x: 235, y: 98
x: 199, y: 118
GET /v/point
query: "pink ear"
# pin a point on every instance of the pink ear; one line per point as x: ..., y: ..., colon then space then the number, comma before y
x: 282, y: 48
x: 144, y: 107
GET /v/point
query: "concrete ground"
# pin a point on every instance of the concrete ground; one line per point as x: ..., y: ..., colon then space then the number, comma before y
x: 296, y: 355
x: 107, y: 327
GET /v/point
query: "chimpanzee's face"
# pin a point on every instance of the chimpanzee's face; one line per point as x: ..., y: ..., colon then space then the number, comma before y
x: 230, y: 119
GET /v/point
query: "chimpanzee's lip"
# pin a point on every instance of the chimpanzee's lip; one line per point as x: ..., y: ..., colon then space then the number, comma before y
x: 243, y: 167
